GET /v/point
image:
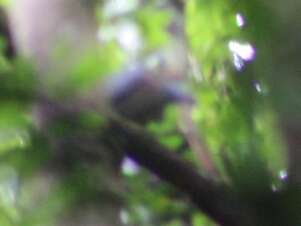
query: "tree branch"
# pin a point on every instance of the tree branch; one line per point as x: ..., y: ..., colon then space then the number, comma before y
x: 6, y: 34
x: 214, y: 199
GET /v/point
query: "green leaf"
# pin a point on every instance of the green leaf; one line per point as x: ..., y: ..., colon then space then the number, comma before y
x: 154, y: 30
x: 201, y: 220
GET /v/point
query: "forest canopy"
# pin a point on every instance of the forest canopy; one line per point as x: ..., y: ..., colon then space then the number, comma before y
x: 134, y: 112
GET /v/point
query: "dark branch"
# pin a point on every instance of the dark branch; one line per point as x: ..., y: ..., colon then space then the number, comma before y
x: 5, y: 33
x: 213, y: 199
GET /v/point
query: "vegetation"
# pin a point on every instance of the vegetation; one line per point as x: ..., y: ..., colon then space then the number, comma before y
x: 174, y: 113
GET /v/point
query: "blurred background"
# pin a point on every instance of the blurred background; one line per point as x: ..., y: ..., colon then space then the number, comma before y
x: 215, y: 83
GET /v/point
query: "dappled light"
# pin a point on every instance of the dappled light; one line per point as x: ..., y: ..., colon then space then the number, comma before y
x: 240, y: 21
x: 129, y: 167
x: 241, y: 53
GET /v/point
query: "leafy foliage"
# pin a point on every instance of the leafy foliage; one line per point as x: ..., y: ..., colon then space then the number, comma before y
x: 233, y: 113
